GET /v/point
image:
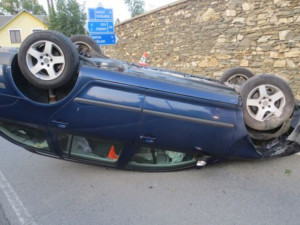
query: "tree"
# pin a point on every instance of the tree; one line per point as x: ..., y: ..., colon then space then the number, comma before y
x: 15, y: 6
x: 51, y: 13
x: 135, y: 7
x: 50, y: 7
x: 34, y: 7
x: 69, y: 18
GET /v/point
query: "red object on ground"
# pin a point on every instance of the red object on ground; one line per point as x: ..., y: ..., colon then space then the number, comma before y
x: 143, y: 61
x: 112, y: 154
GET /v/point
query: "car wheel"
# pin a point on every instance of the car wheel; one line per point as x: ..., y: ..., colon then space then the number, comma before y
x: 268, y: 102
x: 48, y: 59
x: 236, y: 76
x: 87, y: 47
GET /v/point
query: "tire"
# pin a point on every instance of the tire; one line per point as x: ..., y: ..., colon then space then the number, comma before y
x: 236, y: 76
x: 87, y: 47
x: 268, y: 102
x: 268, y: 135
x: 48, y: 59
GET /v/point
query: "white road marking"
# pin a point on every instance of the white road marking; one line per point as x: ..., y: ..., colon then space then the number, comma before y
x: 15, y: 202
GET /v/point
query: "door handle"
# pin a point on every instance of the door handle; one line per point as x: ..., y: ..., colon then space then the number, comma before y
x: 148, y: 139
x: 60, y: 124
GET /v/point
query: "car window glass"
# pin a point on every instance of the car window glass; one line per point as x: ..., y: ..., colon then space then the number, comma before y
x: 90, y: 148
x: 153, y: 157
x: 28, y: 136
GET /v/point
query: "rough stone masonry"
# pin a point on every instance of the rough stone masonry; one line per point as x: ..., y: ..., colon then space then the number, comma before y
x: 206, y: 37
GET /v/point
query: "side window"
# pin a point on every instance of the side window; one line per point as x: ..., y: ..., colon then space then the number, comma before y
x: 15, y: 36
x: 28, y: 136
x: 161, y: 159
x: 89, y: 148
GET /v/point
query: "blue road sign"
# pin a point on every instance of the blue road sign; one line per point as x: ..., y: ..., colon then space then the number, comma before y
x: 100, y: 14
x: 91, y: 14
x: 105, y: 39
x: 103, y: 27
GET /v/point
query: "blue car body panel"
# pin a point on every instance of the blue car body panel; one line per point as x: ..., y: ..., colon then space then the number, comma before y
x: 138, y: 107
x: 105, y: 110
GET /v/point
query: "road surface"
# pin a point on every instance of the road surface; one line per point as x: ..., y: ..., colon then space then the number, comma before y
x: 43, y: 191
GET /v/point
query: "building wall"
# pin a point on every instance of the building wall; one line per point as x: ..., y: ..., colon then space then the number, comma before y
x: 25, y: 22
x: 206, y: 37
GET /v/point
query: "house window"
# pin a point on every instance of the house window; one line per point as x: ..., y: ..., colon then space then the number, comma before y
x: 15, y: 36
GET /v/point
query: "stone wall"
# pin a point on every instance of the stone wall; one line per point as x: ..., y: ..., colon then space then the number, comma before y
x: 206, y: 37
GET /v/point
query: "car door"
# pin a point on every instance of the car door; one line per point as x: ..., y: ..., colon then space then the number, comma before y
x: 105, y: 110
x: 178, y: 122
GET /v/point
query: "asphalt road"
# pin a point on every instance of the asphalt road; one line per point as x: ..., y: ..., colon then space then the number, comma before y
x: 39, y: 191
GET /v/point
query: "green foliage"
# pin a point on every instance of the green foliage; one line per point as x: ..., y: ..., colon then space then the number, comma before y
x: 15, y: 6
x: 288, y: 172
x: 10, y: 6
x: 68, y: 19
x: 34, y: 7
x: 135, y: 7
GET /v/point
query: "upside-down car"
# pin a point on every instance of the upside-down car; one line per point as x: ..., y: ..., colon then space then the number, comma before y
x: 57, y: 102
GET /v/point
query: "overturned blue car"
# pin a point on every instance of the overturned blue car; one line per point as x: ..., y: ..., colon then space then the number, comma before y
x: 57, y: 100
